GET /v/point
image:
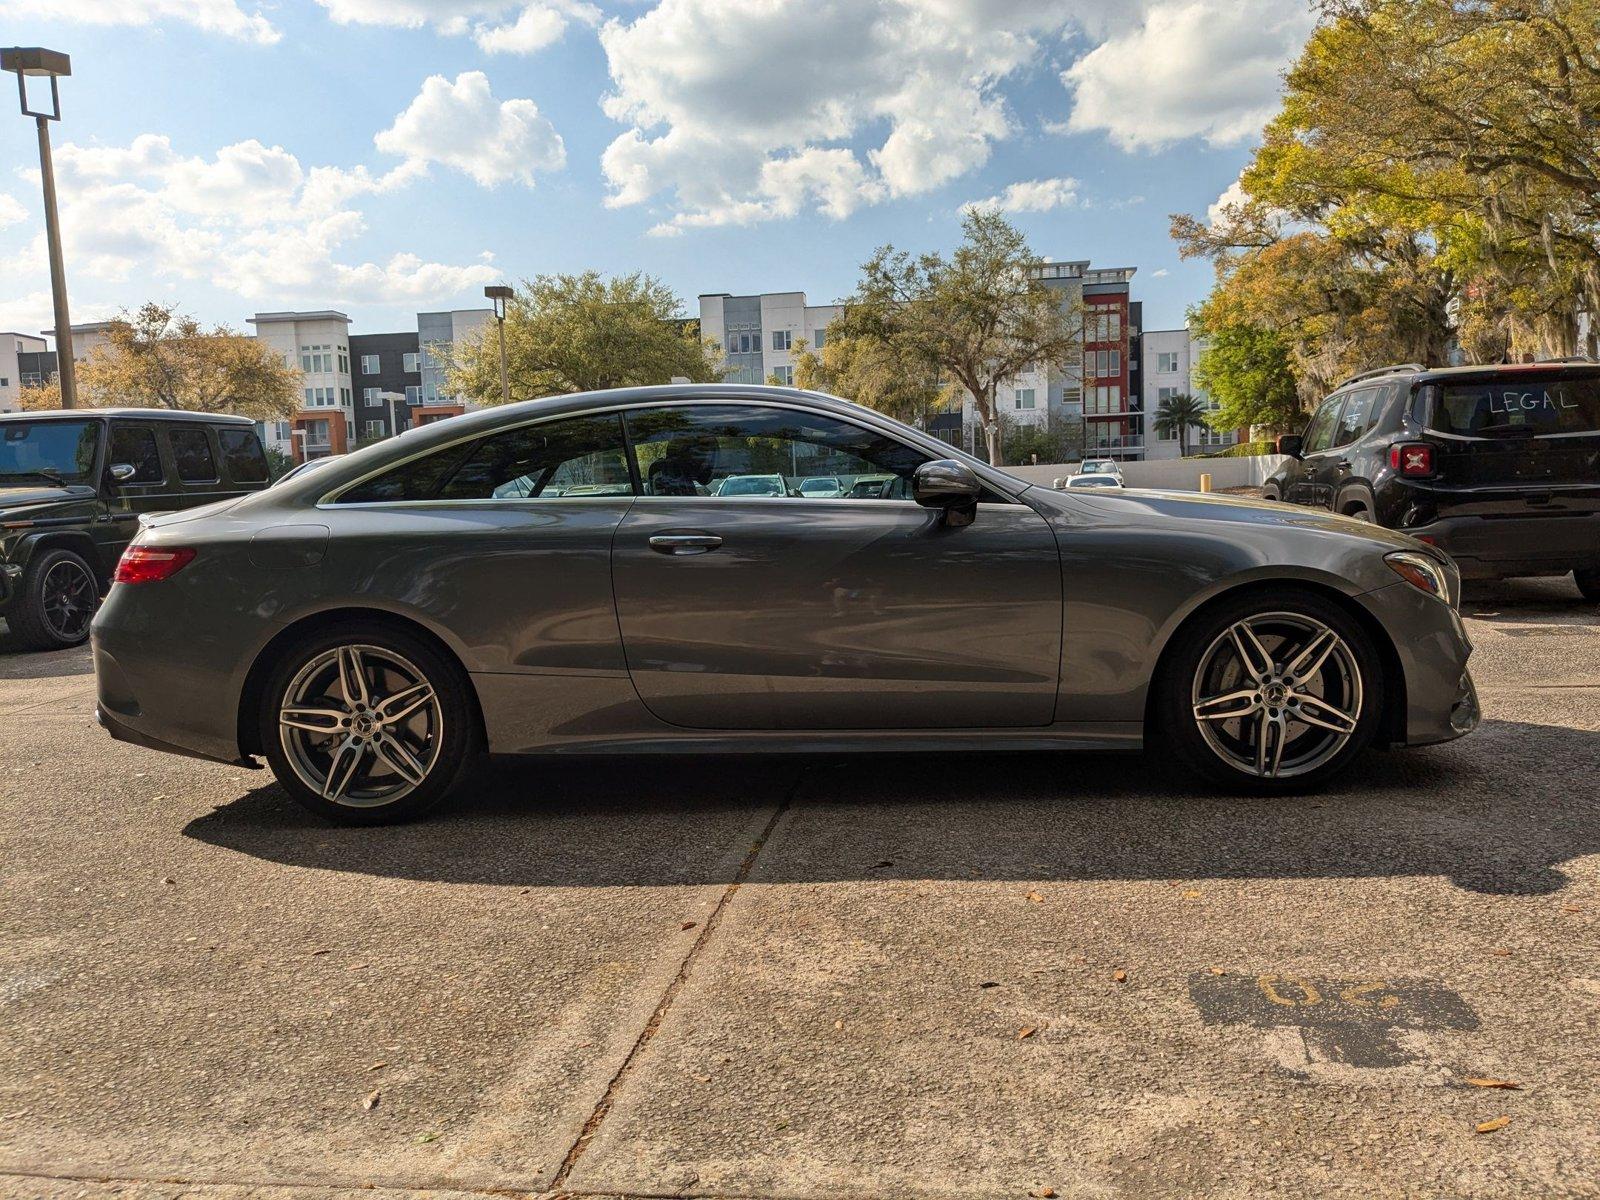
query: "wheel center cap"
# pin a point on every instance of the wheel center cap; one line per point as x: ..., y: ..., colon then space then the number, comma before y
x: 363, y: 724
x: 1275, y: 693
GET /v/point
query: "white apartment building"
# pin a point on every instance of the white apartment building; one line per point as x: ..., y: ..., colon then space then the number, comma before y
x: 17, y: 367
x: 319, y: 344
x: 760, y: 334
x: 1169, y: 360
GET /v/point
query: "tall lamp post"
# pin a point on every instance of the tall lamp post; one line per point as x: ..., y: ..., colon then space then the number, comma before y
x: 37, y: 61
x: 498, y: 294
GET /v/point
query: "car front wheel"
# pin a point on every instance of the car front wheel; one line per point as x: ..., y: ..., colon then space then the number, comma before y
x: 56, y: 601
x: 1270, y: 693
x: 368, y: 725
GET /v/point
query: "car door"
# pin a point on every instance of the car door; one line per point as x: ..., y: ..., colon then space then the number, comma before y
x: 1314, y: 449
x: 1332, y: 469
x: 785, y: 612
x: 133, y: 444
x: 196, y: 464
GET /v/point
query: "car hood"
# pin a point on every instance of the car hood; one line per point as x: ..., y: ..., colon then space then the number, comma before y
x: 27, y: 497
x: 1206, y: 506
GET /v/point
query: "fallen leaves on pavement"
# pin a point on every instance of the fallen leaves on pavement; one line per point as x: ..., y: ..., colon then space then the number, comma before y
x: 1491, y: 1126
x: 1027, y: 1032
x: 1120, y: 976
x: 1495, y: 1083
x: 371, y: 1101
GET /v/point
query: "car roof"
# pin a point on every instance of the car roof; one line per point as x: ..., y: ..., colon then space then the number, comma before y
x: 143, y: 414
x: 1415, y: 374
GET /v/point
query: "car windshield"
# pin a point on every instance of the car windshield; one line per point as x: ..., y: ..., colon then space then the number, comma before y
x: 1094, y: 466
x: 48, y: 451
x: 820, y: 485
x: 1092, y: 482
x: 1518, y: 405
x: 750, y: 486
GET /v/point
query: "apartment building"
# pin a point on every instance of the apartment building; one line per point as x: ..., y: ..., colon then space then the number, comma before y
x: 20, y: 367
x: 1170, y: 356
x: 761, y: 334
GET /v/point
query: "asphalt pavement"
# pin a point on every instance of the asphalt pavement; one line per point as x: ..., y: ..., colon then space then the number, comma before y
x: 985, y: 975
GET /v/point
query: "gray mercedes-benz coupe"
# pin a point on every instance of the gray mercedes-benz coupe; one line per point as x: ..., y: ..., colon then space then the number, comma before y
x: 567, y: 576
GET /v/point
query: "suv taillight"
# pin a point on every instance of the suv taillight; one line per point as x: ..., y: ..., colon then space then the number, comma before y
x: 151, y: 564
x: 1411, y: 458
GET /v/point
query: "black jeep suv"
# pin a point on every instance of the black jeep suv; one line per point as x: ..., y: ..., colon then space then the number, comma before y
x: 1499, y: 466
x: 72, y: 487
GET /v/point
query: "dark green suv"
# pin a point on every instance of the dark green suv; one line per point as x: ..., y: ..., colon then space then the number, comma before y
x: 73, y: 486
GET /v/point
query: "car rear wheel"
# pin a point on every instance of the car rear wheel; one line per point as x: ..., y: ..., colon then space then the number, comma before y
x: 1588, y: 583
x: 1270, y: 692
x: 56, y: 601
x: 368, y: 725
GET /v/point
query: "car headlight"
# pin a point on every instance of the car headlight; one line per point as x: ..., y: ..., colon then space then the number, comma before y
x: 1439, y: 579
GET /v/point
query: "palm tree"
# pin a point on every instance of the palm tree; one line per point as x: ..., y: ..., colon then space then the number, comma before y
x: 1176, y: 414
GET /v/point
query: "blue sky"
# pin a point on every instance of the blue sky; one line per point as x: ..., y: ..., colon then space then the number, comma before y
x: 385, y: 156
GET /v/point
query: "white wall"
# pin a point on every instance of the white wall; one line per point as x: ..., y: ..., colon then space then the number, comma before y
x: 1181, y: 474
x: 12, y: 344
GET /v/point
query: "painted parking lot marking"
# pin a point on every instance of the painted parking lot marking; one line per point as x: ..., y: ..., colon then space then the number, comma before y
x: 1351, y: 1021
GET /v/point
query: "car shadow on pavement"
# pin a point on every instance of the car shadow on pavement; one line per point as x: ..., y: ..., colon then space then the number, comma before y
x: 1497, y: 813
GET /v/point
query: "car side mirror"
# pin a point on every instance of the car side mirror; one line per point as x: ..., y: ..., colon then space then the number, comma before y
x: 1290, y: 444
x: 122, y: 472
x: 947, y: 484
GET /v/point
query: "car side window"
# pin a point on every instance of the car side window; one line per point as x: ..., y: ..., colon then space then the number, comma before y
x: 241, y: 451
x: 136, y: 446
x: 578, y: 456
x: 581, y: 456
x: 747, y: 451
x: 1320, y: 432
x: 191, y: 452
x: 1356, y: 416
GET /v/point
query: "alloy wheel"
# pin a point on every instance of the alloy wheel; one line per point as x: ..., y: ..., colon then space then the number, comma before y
x: 68, y: 596
x: 1277, y: 694
x: 361, y: 725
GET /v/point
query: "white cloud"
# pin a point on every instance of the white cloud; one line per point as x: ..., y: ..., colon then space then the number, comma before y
x: 12, y: 211
x: 1189, y: 68
x: 250, y: 219
x: 736, y: 108
x: 498, y: 26
x: 462, y: 125
x: 1232, y: 196
x: 1032, y: 195
x: 214, y: 16
x: 1160, y: 273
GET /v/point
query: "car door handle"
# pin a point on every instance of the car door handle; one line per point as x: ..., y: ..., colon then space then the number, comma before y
x: 684, y: 543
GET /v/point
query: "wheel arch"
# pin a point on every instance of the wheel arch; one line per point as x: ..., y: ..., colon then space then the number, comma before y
x: 1391, y: 729
x: 255, y: 681
x: 1355, y: 494
x: 76, y: 540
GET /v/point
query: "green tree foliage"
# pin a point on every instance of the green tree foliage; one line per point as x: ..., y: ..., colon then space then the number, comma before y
x: 1176, y: 415
x: 1248, y: 371
x: 878, y: 373
x: 1432, y: 178
x: 976, y: 318
x: 158, y: 357
x: 581, y: 333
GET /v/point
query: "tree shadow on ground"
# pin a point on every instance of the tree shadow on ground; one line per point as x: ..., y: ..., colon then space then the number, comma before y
x: 1499, y: 812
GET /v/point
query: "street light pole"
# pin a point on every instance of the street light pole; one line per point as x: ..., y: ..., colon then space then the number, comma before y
x: 498, y: 295
x: 36, y: 61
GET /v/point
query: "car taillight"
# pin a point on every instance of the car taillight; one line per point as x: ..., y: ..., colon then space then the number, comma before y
x: 151, y: 564
x: 1411, y: 458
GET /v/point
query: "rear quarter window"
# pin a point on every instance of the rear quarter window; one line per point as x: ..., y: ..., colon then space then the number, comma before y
x: 1517, y: 406
x: 241, y: 451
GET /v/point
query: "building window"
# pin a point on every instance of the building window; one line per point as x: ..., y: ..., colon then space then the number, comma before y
x: 317, y: 359
x: 369, y: 364
x: 369, y: 395
x: 1167, y: 363
x: 1116, y: 362
x: 784, y: 376
x: 413, y: 394
x: 820, y: 337
x: 1024, y: 397
x: 780, y: 339
x: 409, y: 362
x: 372, y: 429
x: 344, y: 361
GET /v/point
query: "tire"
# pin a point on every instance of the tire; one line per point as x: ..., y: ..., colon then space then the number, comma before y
x: 1588, y: 582
x: 55, y: 602
x: 1204, y: 668
x: 340, y: 755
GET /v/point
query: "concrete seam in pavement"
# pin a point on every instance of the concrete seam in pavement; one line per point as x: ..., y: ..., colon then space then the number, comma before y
x: 648, y: 1033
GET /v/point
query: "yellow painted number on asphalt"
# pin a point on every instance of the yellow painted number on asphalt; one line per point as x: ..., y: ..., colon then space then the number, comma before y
x: 1308, y: 994
x: 1357, y: 994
